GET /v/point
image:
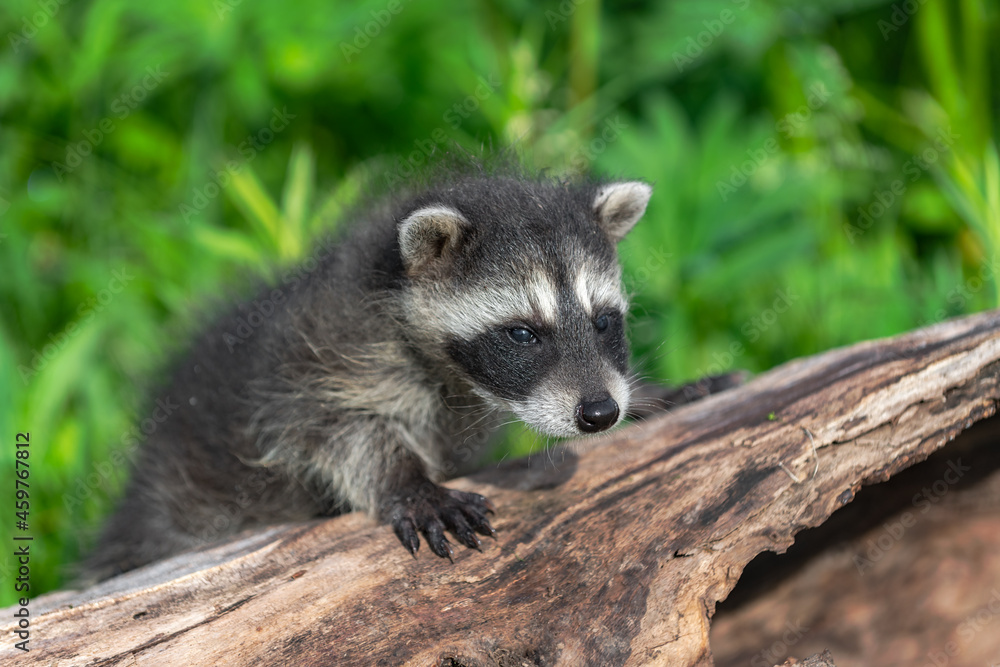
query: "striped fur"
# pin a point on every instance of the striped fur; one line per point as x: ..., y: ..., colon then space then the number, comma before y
x: 385, y: 369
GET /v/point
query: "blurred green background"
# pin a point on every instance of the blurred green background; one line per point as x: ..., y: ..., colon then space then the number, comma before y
x: 824, y: 173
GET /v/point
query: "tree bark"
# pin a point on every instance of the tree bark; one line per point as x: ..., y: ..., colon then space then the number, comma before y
x: 611, y: 551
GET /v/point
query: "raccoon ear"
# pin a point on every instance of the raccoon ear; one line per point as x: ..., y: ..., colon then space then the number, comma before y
x: 428, y: 234
x: 618, y: 206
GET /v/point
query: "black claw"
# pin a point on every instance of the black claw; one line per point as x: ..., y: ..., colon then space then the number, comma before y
x: 407, y: 534
x: 441, y: 546
x: 467, y: 537
x: 455, y: 520
x: 478, y: 502
x: 434, y: 532
x: 436, y: 510
x: 483, y: 527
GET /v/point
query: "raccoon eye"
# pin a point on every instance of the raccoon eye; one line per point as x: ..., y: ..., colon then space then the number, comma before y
x: 522, y: 336
x: 602, y: 323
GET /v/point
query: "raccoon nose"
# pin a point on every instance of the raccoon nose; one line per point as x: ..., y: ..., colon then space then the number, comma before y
x: 594, y: 416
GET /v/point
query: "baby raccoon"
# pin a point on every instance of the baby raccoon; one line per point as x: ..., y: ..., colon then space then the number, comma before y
x: 378, y: 374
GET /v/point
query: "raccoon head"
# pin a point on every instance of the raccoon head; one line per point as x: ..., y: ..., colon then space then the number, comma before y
x: 517, y: 287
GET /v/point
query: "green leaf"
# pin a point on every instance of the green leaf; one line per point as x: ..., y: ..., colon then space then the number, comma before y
x: 298, y: 192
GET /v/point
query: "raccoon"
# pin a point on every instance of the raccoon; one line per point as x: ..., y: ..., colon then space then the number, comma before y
x: 363, y: 383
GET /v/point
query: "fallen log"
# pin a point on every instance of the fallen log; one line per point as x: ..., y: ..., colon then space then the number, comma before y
x: 907, y: 574
x: 611, y: 551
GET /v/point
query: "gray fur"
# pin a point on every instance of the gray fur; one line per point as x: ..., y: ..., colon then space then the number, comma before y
x: 383, y: 370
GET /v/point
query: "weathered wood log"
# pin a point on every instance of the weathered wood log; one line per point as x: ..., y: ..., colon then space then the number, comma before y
x: 908, y: 574
x: 611, y: 551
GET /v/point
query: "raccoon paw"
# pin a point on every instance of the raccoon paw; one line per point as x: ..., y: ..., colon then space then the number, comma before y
x: 461, y: 513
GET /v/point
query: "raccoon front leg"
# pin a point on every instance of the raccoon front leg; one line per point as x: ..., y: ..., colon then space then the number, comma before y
x: 375, y: 466
x: 418, y: 505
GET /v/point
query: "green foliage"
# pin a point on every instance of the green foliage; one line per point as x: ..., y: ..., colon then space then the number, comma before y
x: 155, y: 155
